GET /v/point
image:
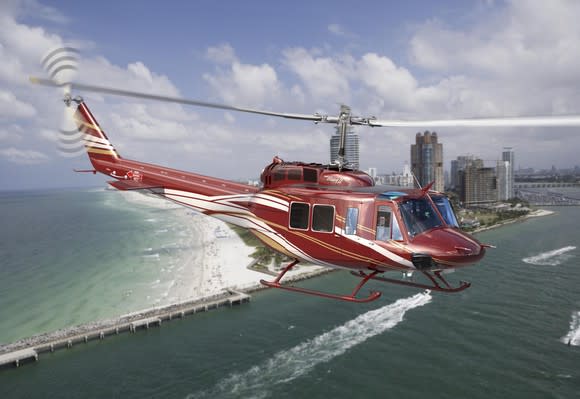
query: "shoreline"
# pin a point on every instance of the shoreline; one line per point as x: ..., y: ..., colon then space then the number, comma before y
x: 533, y: 214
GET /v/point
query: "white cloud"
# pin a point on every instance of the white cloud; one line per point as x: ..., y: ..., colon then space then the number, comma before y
x: 32, y: 8
x: 222, y: 54
x: 11, y: 107
x: 528, y: 43
x: 245, y: 84
x: 135, y: 121
x: 340, y: 31
x: 136, y: 76
x: 23, y: 157
x: 325, y: 78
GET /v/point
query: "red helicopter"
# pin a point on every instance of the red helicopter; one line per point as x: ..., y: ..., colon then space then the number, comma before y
x: 328, y: 215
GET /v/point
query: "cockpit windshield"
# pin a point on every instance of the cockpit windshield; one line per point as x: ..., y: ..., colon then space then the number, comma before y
x: 419, y: 215
x: 445, y: 209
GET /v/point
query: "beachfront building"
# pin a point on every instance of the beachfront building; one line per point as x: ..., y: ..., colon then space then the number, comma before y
x: 479, y: 183
x: 427, y: 160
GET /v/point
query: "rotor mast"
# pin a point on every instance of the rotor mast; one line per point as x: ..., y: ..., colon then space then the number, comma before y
x: 343, y: 123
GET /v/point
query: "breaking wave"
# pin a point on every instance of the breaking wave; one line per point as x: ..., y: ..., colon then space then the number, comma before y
x: 573, y: 336
x: 551, y: 258
x: 290, y: 364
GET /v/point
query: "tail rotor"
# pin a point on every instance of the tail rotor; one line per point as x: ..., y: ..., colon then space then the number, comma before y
x: 61, y: 65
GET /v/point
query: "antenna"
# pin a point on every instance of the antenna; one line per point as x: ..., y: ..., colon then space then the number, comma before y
x: 416, y: 180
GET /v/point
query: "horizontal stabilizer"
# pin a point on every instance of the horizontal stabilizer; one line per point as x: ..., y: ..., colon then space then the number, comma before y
x: 125, y: 185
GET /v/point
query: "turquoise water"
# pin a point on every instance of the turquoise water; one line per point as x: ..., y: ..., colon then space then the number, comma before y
x: 505, y: 337
x: 70, y: 257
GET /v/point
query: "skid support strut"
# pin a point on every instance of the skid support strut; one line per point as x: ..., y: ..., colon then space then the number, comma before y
x: 438, y: 281
x: 349, y: 298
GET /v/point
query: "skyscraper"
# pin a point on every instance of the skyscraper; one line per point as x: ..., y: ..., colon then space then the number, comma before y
x: 427, y: 160
x: 479, y: 183
x: 351, y: 148
x: 457, y: 167
x: 505, y: 175
x: 503, y: 180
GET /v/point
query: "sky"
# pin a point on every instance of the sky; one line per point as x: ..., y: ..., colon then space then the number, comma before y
x: 389, y: 59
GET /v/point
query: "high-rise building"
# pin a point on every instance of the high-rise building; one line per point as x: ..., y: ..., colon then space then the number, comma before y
x: 479, y: 183
x: 457, y: 167
x: 351, y: 148
x: 506, y: 180
x: 427, y: 160
x: 372, y: 172
x: 503, y: 180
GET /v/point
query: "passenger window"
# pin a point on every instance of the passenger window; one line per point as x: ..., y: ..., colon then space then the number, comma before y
x: 351, y: 221
x: 383, y: 223
x: 323, y: 218
x: 299, y: 213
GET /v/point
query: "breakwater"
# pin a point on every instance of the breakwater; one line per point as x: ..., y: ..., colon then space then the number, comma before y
x: 28, y: 349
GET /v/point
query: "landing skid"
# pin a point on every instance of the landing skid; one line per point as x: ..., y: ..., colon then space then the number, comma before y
x: 438, y: 281
x: 349, y: 298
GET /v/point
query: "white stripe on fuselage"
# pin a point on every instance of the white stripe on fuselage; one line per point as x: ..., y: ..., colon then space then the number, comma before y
x: 376, y: 248
x: 227, y: 210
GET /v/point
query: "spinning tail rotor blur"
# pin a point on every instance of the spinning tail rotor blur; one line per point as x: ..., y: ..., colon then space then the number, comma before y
x: 61, y: 65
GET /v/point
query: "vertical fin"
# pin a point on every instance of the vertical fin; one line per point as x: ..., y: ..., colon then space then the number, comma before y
x: 97, y: 144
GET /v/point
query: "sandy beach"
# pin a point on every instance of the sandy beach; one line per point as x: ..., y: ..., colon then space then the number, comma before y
x: 219, y: 264
x: 214, y: 258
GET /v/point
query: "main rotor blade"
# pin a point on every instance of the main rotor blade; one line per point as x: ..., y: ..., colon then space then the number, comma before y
x: 178, y: 100
x: 554, y: 120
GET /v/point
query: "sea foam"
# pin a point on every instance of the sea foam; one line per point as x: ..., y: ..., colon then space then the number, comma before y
x: 550, y: 258
x: 573, y: 336
x: 292, y: 363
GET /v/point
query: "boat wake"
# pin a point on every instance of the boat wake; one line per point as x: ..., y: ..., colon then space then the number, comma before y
x: 573, y: 336
x: 290, y: 364
x: 551, y: 258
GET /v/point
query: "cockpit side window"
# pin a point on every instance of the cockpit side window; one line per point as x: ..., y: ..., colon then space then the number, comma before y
x: 419, y: 215
x: 445, y: 209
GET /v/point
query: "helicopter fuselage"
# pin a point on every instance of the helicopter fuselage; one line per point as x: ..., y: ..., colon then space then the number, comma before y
x: 310, y: 212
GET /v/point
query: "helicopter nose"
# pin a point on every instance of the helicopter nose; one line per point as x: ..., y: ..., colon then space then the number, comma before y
x: 450, y: 246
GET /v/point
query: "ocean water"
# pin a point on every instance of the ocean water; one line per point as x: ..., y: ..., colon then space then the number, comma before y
x: 514, y: 334
x: 70, y: 257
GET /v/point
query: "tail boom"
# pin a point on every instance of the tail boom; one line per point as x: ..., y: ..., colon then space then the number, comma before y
x: 135, y: 175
